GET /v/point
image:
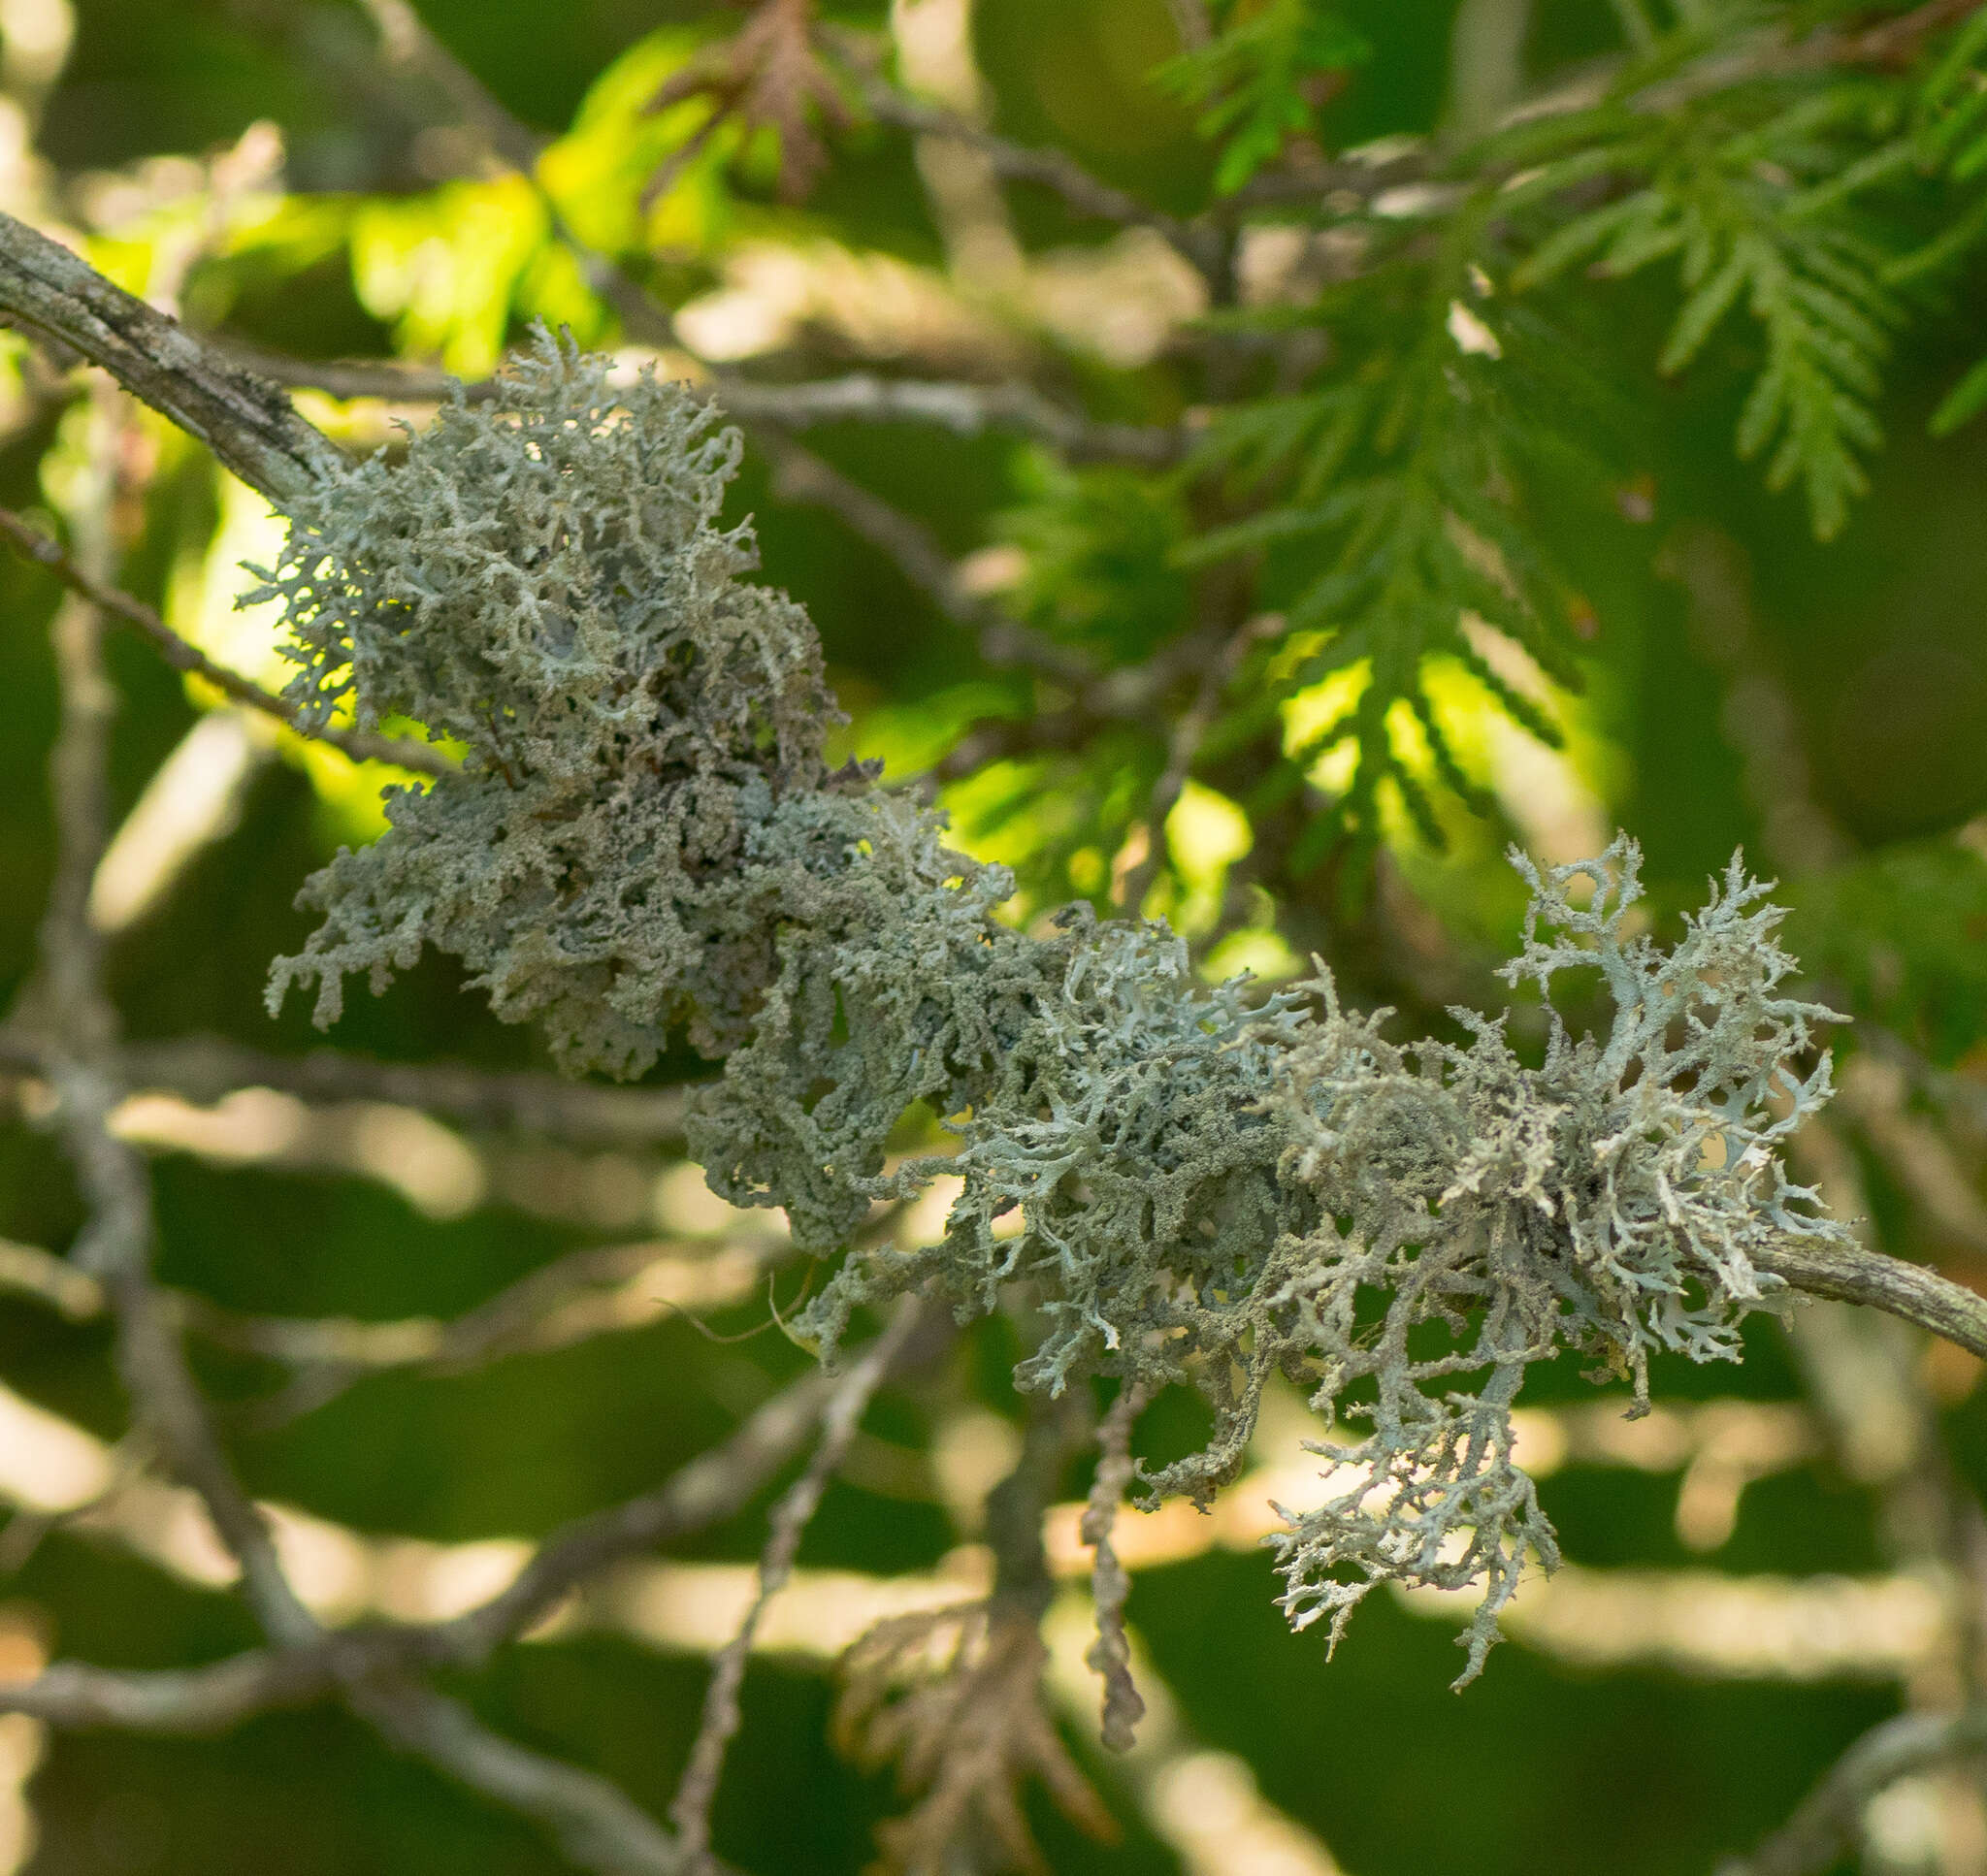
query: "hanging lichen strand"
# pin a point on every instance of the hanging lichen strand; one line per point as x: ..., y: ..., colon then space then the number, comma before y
x: 1192, y: 1186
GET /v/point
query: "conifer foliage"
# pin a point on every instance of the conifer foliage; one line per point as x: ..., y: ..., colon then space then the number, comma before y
x: 1315, y: 506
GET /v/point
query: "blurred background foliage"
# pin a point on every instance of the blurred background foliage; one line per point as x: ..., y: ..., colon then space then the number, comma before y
x: 1452, y: 561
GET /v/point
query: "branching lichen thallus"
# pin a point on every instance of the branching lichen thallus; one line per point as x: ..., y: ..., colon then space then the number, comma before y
x: 1196, y: 1185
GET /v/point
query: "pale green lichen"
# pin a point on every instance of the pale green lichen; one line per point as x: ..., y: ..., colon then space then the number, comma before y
x: 543, y: 580
x: 1187, y: 1184
x: 1193, y: 1190
x: 1609, y: 1201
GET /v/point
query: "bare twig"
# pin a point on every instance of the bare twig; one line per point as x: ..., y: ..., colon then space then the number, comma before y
x: 247, y: 422
x: 596, y: 1824
x: 206, y: 1068
x: 1854, y: 1275
x: 690, y: 1809
x: 861, y: 397
x: 569, y: 1299
x: 79, y: 1698
x: 1110, y: 1655
x: 1826, y: 1826
x: 964, y: 409
x: 711, y: 1487
x: 361, y: 745
x: 409, y: 47
x: 588, y: 1293
x: 1199, y: 241
x: 800, y: 475
x: 116, y: 1242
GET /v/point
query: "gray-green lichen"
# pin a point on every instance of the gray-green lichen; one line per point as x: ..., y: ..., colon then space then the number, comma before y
x: 543, y: 581
x: 1609, y: 1201
x: 1189, y: 1185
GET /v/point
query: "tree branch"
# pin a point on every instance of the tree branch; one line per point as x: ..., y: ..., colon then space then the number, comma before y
x: 361, y: 745
x: 800, y: 475
x: 81, y: 1699
x: 711, y: 1487
x: 116, y: 1244
x: 1888, y: 1284
x: 568, y: 1300
x: 596, y: 1824
x: 1826, y: 1827
x: 247, y: 422
x: 841, y: 1419
x: 206, y: 1068
x: 1199, y: 241
x: 861, y: 397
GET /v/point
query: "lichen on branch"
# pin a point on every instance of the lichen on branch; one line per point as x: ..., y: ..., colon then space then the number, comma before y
x: 1188, y: 1185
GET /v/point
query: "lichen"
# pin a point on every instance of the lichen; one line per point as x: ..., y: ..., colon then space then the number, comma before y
x: 1189, y: 1185
x: 1608, y: 1200
x: 1197, y: 1189
x: 543, y: 580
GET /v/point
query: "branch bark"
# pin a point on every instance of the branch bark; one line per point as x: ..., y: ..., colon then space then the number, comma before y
x: 247, y: 421
x: 361, y: 745
x: 1887, y: 1283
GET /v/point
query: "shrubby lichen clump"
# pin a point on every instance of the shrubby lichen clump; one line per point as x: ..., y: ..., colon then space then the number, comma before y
x: 1190, y: 1185
x: 545, y: 582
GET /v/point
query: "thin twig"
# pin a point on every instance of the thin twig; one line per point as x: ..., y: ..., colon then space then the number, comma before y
x: 859, y: 396
x: 206, y: 1068
x: 596, y: 1824
x: 1851, y: 1274
x: 715, y: 1485
x: 79, y: 1698
x: 1110, y: 1655
x: 1199, y: 241
x: 690, y: 1809
x: 964, y: 409
x: 535, y: 1313
x: 1826, y: 1827
x: 549, y: 1308
x: 248, y: 423
x: 409, y: 47
x: 115, y: 1246
x: 800, y: 475
x: 361, y: 745
x: 711, y: 1487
